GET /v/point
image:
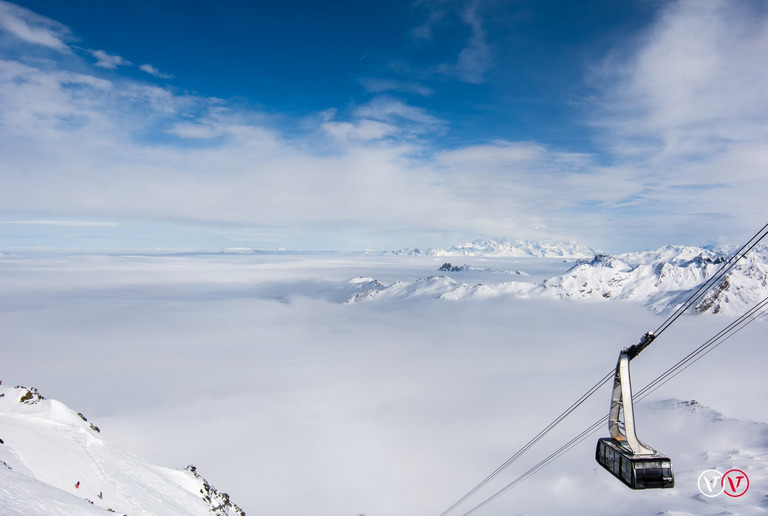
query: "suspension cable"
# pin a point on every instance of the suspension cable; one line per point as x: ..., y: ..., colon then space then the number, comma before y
x: 704, y: 288
x: 751, y: 315
x: 694, y: 356
x: 635, y: 350
x: 729, y: 264
x: 533, y: 441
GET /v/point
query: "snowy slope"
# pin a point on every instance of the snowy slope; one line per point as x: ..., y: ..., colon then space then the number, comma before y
x: 660, y: 279
x: 663, y: 278
x: 53, y: 461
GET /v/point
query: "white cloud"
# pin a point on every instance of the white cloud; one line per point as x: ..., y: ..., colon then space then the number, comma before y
x: 195, y: 131
x: 33, y: 28
x: 474, y: 60
x: 388, y: 109
x: 685, y: 108
x: 382, y: 117
x: 524, y: 186
x: 38, y: 104
x: 108, y: 61
x: 363, y: 130
x: 500, y: 153
x: 93, y: 150
x: 437, y: 12
x: 73, y: 223
x: 75, y: 145
x: 151, y: 70
x: 696, y: 84
x: 384, y: 85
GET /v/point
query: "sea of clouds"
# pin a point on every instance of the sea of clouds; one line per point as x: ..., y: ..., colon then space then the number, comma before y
x: 253, y: 368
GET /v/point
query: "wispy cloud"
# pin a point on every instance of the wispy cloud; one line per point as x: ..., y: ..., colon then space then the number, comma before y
x: 33, y: 28
x: 108, y: 61
x: 696, y: 84
x: 78, y: 145
x: 437, y: 10
x: 382, y: 118
x: 388, y: 85
x: 388, y: 109
x: 70, y: 223
x: 360, y: 130
x: 151, y: 70
x: 680, y: 115
x: 197, y: 130
x: 475, y: 58
x: 687, y: 106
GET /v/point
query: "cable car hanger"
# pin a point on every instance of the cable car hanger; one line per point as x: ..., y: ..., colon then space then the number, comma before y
x: 624, y: 456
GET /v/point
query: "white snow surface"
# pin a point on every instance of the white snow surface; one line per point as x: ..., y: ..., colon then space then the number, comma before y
x: 52, y: 461
x: 253, y: 367
x: 661, y: 279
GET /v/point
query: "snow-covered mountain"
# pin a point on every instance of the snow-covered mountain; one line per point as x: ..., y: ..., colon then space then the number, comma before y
x: 448, y: 267
x: 53, y: 461
x: 660, y: 279
x: 509, y: 248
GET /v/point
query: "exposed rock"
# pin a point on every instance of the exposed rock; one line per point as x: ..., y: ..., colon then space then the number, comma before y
x: 30, y: 396
x: 219, y: 503
x: 447, y: 267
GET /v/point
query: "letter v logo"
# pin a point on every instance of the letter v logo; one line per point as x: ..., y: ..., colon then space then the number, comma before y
x: 710, y: 484
x: 737, y: 485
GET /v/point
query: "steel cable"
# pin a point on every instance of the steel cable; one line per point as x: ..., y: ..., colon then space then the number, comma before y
x: 533, y: 441
x: 700, y: 292
x: 709, y: 283
x: 751, y: 315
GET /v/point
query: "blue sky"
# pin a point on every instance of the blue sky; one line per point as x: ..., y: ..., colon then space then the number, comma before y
x: 352, y: 125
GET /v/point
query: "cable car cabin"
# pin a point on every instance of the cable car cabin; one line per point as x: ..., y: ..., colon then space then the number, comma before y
x: 627, y: 458
x: 636, y: 471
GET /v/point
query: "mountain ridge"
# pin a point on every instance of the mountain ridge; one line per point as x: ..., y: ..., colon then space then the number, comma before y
x: 507, y: 248
x: 661, y: 279
x: 53, y: 461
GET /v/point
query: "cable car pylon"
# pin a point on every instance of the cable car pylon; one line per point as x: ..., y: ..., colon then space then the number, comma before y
x: 627, y: 458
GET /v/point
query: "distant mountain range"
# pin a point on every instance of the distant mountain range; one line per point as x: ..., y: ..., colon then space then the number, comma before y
x: 660, y: 279
x: 495, y: 248
x: 511, y: 248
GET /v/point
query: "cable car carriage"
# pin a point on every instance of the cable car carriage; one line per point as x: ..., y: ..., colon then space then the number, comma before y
x: 637, y: 465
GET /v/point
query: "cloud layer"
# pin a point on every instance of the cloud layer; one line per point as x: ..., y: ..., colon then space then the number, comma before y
x: 678, y: 118
x: 245, y: 367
